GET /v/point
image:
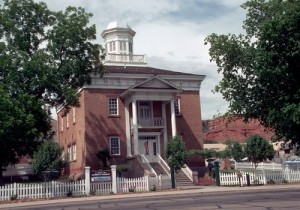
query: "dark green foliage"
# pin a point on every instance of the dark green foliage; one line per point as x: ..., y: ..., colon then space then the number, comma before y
x: 235, y: 150
x: 176, y: 153
x: 258, y: 150
x: 104, y: 156
x: 261, y: 68
x: 47, y: 161
x: 205, y: 153
x: 45, y: 57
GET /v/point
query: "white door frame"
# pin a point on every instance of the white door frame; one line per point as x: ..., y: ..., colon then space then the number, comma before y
x: 156, y: 134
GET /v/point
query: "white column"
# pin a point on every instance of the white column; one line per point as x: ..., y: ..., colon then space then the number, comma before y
x: 114, y: 178
x: 165, y: 125
x: 127, y: 124
x: 135, y: 127
x: 173, y: 118
x: 87, y: 180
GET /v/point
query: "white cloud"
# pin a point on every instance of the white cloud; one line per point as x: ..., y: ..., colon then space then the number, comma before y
x: 172, y: 33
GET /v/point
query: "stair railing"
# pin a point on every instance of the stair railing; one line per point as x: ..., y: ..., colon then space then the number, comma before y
x: 163, y: 163
x: 188, y: 172
x: 145, y: 160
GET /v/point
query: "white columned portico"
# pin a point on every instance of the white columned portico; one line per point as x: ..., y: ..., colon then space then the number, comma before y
x: 173, y: 119
x: 127, y: 123
x: 135, y: 127
x: 164, y: 115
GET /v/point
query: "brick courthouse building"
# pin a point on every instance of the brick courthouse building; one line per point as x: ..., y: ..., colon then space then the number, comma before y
x: 132, y: 111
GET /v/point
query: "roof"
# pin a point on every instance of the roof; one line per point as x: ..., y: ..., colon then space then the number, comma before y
x: 144, y: 70
x: 117, y: 24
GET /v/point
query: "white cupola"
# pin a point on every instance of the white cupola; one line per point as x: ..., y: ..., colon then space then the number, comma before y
x: 118, y: 41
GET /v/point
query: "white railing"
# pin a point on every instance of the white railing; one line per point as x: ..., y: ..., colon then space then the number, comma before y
x: 261, y: 176
x: 137, y: 184
x: 125, y: 58
x: 151, y: 122
x: 188, y: 172
x: 164, y: 164
x: 145, y: 160
x: 265, y: 166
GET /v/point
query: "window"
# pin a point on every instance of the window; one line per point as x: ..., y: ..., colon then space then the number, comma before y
x: 114, y: 145
x: 177, y: 107
x: 112, y: 46
x: 67, y: 120
x: 74, y: 152
x: 130, y: 47
x: 61, y: 123
x: 154, y: 148
x: 122, y: 46
x: 74, y: 115
x: 113, y: 106
x: 69, y: 158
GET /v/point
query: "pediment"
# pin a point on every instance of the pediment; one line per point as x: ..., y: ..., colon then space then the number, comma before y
x: 155, y: 83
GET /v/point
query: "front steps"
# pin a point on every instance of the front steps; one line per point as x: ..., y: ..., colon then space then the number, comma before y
x: 158, y: 168
x: 182, y: 179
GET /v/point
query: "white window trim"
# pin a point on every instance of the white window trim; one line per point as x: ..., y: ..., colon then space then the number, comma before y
x: 178, y: 112
x: 109, y: 108
x: 74, y: 152
x: 68, y: 123
x: 74, y: 115
x: 110, y: 148
x: 62, y: 124
x: 69, y: 153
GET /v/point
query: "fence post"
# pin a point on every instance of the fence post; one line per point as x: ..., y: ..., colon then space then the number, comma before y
x: 87, y: 180
x: 114, y: 178
x: 15, y: 189
x: 264, y: 176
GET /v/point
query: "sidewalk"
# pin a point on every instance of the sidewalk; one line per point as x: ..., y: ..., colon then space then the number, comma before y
x: 182, y: 190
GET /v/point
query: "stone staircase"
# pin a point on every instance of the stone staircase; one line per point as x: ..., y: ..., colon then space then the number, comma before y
x: 158, y: 168
x: 182, y: 179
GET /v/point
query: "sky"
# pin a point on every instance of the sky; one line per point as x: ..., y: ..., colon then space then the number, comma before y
x: 171, y: 33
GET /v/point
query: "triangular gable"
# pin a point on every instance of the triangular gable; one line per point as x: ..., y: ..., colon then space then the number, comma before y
x: 154, y: 83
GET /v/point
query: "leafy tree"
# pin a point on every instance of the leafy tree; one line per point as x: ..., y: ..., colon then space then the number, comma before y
x: 258, y: 150
x: 47, y: 160
x: 235, y: 150
x: 21, y: 121
x: 45, y: 57
x: 176, y: 155
x: 261, y: 67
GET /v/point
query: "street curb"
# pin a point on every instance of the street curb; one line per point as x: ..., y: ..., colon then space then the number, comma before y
x: 200, y: 190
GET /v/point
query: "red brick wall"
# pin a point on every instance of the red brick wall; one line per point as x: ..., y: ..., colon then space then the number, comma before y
x: 100, y: 126
x: 74, y: 134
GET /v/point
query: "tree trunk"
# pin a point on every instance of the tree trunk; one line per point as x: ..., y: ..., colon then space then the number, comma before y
x: 173, y: 177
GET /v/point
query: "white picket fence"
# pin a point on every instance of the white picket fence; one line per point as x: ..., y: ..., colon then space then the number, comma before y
x: 137, y: 184
x: 74, y: 188
x: 103, y: 187
x: 261, y: 166
x: 42, y: 190
x: 260, y: 177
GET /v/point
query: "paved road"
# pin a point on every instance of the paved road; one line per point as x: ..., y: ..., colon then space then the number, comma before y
x: 271, y: 199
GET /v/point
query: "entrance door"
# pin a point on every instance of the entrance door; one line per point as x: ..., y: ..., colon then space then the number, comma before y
x: 148, y: 147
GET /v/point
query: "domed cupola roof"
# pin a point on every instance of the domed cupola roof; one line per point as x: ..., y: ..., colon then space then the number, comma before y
x: 118, y: 27
x: 117, y: 24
